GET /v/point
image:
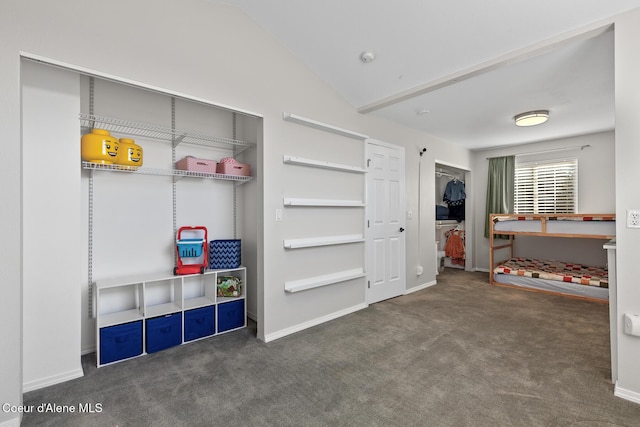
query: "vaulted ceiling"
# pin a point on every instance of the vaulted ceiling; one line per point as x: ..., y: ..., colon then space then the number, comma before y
x: 459, y: 70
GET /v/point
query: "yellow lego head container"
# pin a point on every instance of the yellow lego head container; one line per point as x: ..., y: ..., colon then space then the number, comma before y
x: 129, y: 153
x: 99, y: 147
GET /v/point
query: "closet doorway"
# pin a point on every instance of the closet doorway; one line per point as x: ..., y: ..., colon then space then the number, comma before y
x: 453, y: 217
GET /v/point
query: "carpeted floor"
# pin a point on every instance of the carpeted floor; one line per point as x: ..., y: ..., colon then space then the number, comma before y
x: 461, y: 353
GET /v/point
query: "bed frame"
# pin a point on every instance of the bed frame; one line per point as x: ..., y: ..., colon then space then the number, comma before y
x: 543, y: 231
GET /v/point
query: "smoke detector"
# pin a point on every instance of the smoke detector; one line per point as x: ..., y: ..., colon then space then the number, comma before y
x: 367, y: 56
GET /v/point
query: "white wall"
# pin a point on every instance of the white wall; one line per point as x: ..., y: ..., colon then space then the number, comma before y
x: 51, y: 219
x: 248, y: 71
x: 595, y: 191
x: 627, y: 173
x: 10, y: 227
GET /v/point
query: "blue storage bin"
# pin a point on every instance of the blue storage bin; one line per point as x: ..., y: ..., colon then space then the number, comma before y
x: 164, y: 332
x: 120, y: 342
x: 199, y: 322
x: 190, y: 248
x: 224, y: 254
x: 231, y: 315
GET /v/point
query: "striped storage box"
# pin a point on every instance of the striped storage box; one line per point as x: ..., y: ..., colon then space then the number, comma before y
x: 224, y: 254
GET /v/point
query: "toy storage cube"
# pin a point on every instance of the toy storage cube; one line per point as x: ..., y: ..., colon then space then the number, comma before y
x: 231, y: 315
x: 164, y: 332
x: 199, y: 322
x: 224, y: 254
x: 120, y: 342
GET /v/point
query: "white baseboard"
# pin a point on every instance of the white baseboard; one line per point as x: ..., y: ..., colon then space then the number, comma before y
x: 13, y: 422
x: 315, y: 322
x: 420, y: 287
x: 632, y: 396
x: 88, y: 350
x: 482, y: 270
x: 54, y: 379
x: 252, y: 316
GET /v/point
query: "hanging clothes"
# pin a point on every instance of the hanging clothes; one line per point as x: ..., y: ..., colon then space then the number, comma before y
x: 455, y: 246
x: 454, y: 196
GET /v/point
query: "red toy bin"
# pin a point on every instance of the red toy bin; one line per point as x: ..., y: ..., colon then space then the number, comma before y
x: 194, y: 164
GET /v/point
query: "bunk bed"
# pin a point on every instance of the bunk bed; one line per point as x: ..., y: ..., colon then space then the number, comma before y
x: 552, y: 277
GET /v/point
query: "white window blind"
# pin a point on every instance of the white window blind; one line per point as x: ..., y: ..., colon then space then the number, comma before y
x: 546, y: 187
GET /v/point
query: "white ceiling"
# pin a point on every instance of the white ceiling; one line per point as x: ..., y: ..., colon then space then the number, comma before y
x: 472, y: 64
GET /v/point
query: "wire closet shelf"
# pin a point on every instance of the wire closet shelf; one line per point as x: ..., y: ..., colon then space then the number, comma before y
x: 175, y: 136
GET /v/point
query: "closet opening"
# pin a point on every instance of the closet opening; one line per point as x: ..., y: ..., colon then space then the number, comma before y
x: 451, y: 210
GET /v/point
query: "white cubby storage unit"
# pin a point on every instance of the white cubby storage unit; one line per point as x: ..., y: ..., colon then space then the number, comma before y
x: 134, y: 214
x: 144, y: 314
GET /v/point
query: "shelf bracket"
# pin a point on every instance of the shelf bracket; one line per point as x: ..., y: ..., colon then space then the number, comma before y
x: 177, y: 140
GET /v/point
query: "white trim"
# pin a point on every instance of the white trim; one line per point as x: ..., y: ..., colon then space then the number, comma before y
x: 315, y: 322
x: 420, y: 287
x: 88, y: 350
x: 288, y: 117
x: 52, y: 380
x: 385, y: 144
x: 452, y: 165
x: 91, y: 72
x: 482, y: 270
x: 324, y: 280
x: 632, y: 396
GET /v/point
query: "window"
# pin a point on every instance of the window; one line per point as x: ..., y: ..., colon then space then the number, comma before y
x: 546, y: 187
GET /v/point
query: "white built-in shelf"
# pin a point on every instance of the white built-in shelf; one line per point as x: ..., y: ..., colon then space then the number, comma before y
x: 290, y: 201
x: 310, y: 242
x: 162, y: 309
x: 322, y: 126
x: 135, y: 279
x: 165, y: 172
x: 120, y: 317
x: 167, y: 134
x: 324, y: 280
x: 197, y: 302
x: 321, y: 164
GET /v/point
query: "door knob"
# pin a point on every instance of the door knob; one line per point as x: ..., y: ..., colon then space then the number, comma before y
x: 401, y: 229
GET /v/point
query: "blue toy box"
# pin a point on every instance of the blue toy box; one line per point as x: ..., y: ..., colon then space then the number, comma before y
x: 164, y: 332
x: 120, y: 342
x: 224, y: 254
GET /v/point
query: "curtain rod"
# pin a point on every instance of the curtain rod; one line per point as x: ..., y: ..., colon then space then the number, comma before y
x: 581, y: 147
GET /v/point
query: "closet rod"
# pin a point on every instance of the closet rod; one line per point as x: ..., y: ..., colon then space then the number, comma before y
x: 581, y: 147
x: 445, y: 174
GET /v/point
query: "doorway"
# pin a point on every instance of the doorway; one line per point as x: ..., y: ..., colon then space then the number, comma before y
x: 386, y: 203
x: 452, y: 211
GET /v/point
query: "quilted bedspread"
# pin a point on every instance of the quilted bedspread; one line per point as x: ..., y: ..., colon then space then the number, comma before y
x: 555, y: 270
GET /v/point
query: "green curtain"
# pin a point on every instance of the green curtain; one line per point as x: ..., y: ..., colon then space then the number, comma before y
x: 500, y: 188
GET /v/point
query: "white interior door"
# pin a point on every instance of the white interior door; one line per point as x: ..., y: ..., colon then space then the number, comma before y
x: 386, y: 271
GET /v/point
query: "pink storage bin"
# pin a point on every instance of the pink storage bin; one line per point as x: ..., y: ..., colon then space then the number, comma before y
x: 230, y: 166
x: 194, y: 164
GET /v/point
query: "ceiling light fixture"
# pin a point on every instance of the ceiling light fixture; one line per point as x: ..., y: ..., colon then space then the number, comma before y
x: 367, y: 56
x: 532, y: 118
